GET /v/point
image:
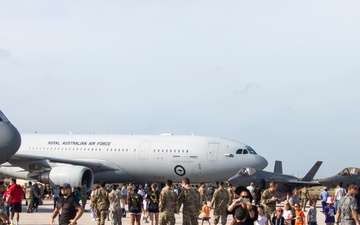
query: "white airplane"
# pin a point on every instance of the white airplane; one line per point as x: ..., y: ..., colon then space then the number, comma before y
x: 75, y: 158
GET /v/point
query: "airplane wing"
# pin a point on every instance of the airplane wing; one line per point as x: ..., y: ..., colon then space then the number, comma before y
x: 37, y: 164
x: 293, y: 182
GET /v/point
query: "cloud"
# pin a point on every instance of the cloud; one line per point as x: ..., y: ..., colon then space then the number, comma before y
x: 4, y: 54
x: 248, y: 88
x: 2, y: 84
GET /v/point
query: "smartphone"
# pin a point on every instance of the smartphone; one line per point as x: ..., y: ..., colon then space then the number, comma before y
x: 244, y: 200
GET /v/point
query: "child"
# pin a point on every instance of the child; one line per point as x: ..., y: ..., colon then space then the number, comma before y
x: 205, y: 213
x: 299, y: 215
x: 278, y: 219
x: 329, y: 211
x: 288, y: 215
x: 262, y: 219
x: 145, y: 211
x: 311, y: 216
x: 241, y: 215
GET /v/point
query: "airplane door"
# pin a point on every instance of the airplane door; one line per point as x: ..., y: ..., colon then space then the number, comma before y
x: 144, y: 150
x: 212, y: 152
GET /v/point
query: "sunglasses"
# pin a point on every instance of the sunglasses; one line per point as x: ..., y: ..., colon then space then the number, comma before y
x: 244, y: 196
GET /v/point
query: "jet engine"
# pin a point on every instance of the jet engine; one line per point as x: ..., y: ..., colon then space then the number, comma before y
x: 74, y: 175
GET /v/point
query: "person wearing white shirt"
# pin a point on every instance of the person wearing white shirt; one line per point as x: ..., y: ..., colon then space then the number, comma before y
x: 339, y: 193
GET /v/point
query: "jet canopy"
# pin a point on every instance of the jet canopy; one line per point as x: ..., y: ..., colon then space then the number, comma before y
x: 246, y: 171
x: 350, y: 171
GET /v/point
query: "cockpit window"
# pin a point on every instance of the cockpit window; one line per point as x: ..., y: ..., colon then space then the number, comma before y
x: 349, y: 171
x: 239, y: 151
x: 252, y: 151
x: 246, y: 171
x: 245, y: 151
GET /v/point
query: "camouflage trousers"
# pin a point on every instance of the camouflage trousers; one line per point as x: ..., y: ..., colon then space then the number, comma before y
x: 115, y: 216
x: 190, y: 218
x: 29, y: 204
x: 83, y: 202
x: 220, y: 214
x: 269, y: 213
x: 303, y: 203
x: 347, y: 222
x: 166, y: 218
x: 101, y: 215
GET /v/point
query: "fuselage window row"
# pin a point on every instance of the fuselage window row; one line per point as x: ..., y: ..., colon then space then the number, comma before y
x: 111, y: 149
x: 170, y: 151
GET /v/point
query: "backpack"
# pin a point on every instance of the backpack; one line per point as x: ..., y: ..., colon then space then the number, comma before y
x: 135, y: 206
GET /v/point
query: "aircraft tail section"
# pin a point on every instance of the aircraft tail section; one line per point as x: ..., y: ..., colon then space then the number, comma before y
x: 278, y: 167
x: 310, y: 175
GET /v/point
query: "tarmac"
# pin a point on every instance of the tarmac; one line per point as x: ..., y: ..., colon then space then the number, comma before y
x: 43, y: 216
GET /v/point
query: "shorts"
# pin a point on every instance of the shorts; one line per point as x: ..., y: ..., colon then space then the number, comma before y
x: 205, y: 219
x: 15, y: 207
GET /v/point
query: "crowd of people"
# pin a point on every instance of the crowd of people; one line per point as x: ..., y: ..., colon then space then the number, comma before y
x: 158, y: 204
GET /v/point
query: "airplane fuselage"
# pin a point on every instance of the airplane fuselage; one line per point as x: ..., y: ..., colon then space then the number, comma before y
x: 138, y: 158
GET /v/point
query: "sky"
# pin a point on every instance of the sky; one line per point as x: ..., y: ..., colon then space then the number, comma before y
x: 280, y: 76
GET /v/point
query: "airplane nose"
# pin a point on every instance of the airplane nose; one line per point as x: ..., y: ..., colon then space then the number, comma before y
x: 328, y: 182
x: 232, y: 179
x: 261, y: 163
x: 10, y: 141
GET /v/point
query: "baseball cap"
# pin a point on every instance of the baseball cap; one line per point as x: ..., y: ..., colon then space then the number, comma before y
x: 65, y: 186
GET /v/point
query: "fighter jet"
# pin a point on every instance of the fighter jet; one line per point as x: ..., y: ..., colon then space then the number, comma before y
x: 10, y: 139
x: 286, y: 183
x: 347, y: 175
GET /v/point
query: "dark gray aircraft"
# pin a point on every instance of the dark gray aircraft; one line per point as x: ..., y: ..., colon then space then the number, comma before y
x: 10, y: 139
x: 347, y: 175
x: 286, y: 183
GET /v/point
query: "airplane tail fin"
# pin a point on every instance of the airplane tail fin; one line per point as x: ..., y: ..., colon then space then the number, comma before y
x: 310, y: 175
x: 278, y: 167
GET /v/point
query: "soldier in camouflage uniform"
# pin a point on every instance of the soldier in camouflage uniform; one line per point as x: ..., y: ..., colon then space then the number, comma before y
x: 220, y: 199
x: 231, y: 194
x: 101, y: 203
x: 268, y: 199
x: 202, y: 191
x: 83, y: 195
x: 168, y: 204
x: 29, y: 195
x: 347, y: 210
x: 304, y: 196
x: 190, y: 199
x: 115, y: 205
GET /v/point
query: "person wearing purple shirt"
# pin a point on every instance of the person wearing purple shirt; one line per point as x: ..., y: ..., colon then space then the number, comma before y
x: 330, y: 211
